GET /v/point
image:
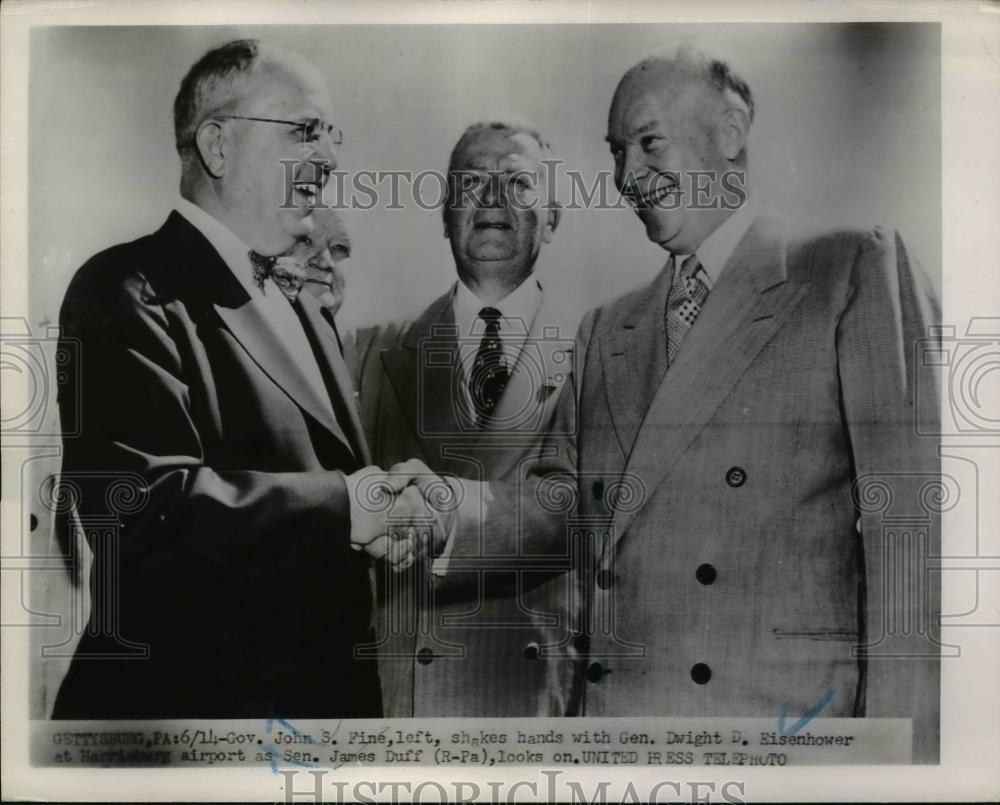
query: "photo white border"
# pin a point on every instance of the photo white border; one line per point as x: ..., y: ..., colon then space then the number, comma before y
x: 971, y: 287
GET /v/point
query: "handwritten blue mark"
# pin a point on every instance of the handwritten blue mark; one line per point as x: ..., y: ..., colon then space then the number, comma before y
x: 813, y: 711
x: 275, y: 753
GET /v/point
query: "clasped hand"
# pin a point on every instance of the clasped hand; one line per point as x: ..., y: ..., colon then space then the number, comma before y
x: 401, y: 514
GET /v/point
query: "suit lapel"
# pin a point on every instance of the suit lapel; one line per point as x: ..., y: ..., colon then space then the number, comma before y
x: 323, y: 326
x: 526, y: 404
x: 422, y: 373
x: 634, y: 359
x: 748, y: 305
x: 202, y: 277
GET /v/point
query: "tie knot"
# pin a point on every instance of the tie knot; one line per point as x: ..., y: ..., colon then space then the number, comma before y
x: 288, y: 277
x: 490, y: 315
x: 261, y: 263
x: 690, y: 267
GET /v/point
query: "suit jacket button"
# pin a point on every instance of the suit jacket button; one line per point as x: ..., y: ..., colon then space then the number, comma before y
x: 596, y: 672
x: 705, y: 574
x: 736, y: 476
x: 531, y: 651
x: 604, y: 579
x: 425, y: 656
x: 598, y: 489
x: 701, y: 673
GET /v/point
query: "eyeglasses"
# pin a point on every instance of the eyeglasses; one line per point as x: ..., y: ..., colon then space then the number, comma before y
x: 310, y: 129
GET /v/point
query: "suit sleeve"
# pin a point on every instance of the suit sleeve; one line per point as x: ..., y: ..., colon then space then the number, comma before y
x: 890, y: 405
x: 140, y: 456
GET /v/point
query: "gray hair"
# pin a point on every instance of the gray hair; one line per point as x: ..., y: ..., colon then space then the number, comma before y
x: 716, y: 75
x: 219, y: 82
x: 511, y: 125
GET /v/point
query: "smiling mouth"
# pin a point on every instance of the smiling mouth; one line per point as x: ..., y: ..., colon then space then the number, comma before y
x: 325, y: 281
x: 643, y: 201
x: 308, y: 191
x: 501, y: 225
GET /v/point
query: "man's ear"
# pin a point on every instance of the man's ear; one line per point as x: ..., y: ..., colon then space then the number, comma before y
x: 734, y: 130
x: 210, y: 142
x: 553, y: 215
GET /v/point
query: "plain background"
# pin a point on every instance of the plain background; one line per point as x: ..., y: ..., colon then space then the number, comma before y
x: 847, y: 133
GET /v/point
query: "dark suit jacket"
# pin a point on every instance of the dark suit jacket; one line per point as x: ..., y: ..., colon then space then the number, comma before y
x: 773, y: 547
x: 208, y: 478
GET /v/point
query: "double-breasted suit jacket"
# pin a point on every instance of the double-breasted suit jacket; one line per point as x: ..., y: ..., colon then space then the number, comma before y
x: 758, y: 517
x: 489, y: 636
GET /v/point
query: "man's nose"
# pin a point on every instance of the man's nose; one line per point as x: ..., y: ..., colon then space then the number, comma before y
x: 631, y: 166
x: 325, y: 152
x: 324, y: 260
x: 494, y: 191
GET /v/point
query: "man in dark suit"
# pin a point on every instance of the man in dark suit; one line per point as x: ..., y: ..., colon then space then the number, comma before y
x: 736, y: 424
x: 218, y: 471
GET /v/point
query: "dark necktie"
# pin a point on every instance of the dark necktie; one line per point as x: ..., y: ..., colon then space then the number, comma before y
x: 489, y: 372
x: 288, y: 280
x: 684, y: 302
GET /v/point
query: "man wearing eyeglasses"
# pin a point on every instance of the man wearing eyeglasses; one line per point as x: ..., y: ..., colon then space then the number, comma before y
x: 233, y: 578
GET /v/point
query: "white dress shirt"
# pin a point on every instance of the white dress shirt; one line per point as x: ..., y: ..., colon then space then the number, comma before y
x: 517, y: 313
x: 283, y: 322
x: 717, y: 248
x: 517, y: 310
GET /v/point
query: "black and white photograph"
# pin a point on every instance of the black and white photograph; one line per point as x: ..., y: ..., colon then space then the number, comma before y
x: 490, y: 394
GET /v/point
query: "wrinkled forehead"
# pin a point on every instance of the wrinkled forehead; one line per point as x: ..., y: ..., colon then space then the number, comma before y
x: 291, y: 87
x: 330, y: 229
x: 494, y: 148
x: 663, y: 96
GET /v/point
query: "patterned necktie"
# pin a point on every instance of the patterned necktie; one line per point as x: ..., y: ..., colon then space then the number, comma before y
x: 288, y: 279
x: 489, y: 372
x: 684, y: 302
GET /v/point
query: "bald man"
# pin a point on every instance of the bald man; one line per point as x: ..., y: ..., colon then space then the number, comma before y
x: 219, y: 452
x: 469, y: 388
x: 317, y: 260
x: 734, y: 429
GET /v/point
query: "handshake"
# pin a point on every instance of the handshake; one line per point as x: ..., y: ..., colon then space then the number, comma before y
x: 403, y: 514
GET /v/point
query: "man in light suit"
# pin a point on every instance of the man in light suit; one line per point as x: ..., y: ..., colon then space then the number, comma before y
x: 216, y: 472
x: 468, y: 387
x: 738, y: 422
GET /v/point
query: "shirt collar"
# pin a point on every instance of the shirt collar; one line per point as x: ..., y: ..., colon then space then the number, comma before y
x: 518, y: 308
x: 718, y: 247
x: 234, y: 252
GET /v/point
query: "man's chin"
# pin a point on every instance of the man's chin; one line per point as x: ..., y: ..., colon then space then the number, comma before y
x: 492, y: 255
x: 298, y: 224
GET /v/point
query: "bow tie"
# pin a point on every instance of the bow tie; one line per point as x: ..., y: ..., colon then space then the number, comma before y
x: 288, y: 278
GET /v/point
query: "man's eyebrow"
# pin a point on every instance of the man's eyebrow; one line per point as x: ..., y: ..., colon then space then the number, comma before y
x: 645, y: 128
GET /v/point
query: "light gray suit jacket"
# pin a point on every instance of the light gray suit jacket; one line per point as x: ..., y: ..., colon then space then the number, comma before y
x: 754, y: 527
x: 492, y: 638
